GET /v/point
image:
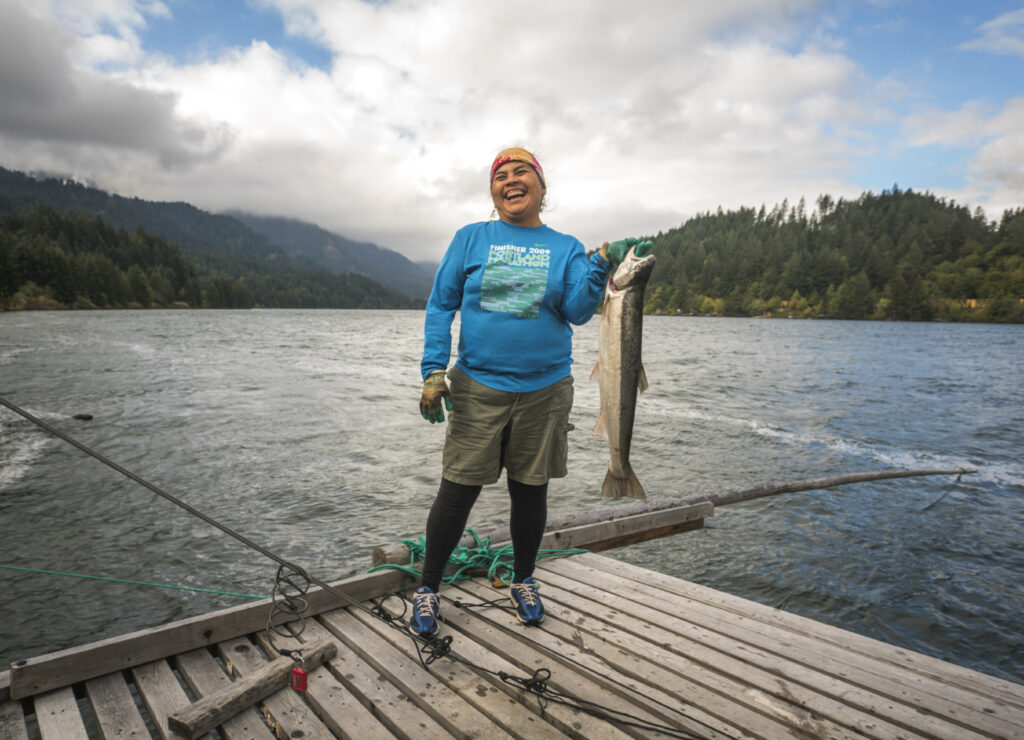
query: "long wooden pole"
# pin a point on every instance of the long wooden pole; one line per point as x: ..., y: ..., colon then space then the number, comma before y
x: 500, y: 534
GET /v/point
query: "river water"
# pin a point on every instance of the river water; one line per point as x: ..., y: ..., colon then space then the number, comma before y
x: 300, y: 430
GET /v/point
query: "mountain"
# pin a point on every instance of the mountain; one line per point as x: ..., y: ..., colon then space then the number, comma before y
x: 321, y: 247
x: 221, y: 249
x: 204, y: 236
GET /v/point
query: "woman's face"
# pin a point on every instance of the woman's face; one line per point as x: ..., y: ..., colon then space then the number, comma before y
x: 517, y: 193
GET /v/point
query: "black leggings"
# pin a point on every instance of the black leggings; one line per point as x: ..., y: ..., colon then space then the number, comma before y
x: 450, y: 512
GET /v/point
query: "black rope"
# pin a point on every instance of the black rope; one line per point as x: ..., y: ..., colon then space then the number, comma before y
x: 292, y: 583
x: 537, y: 684
x: 289, y: 605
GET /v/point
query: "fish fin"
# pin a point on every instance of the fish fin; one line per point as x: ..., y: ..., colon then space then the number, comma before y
x: 641, y: 381
x: 599, y: 428
x: 629, y: 487
x: 595, y: 371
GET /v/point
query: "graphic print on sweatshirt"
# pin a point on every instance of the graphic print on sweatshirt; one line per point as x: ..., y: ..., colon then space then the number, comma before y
x: 514, y: 280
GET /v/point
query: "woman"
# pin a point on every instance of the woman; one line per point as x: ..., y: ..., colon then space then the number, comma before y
x: 519, y: 285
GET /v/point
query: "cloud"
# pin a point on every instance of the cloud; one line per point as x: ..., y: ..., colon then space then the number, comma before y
x: 641, y: 117
x: 994, y: 137
x: 1002, y: 35
x: 48, y: 99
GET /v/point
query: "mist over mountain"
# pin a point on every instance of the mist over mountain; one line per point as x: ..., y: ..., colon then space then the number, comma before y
x: 318, y: 246
x: 231, y: 245
x: 225, y: 253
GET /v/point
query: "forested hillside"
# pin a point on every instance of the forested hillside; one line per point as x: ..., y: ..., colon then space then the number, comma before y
x: 321, y: 247
x: 233, y: 265
x: 898, y: 255
x: 49, y: 260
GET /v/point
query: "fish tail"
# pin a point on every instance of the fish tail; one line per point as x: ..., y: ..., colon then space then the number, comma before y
x: 624, y: 487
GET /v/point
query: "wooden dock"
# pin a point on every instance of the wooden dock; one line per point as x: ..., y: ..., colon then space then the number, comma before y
x: 661, y: 652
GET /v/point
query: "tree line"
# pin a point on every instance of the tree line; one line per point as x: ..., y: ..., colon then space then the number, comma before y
x: 898, y: 255
x: 50, y: 260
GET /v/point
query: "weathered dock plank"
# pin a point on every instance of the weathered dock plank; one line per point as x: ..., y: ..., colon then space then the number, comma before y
x: 161, y: 692
x: 58, y: 716
x: 450, y: 710
x: 946, y: 681
x: 636, y: 676
x: 12, y: 721
x: 115, y: 709
x: 204, y: 676
x: 570, y: 722
x: 792, y: 693
x: 587, y: 671
x: 511, y: 717
x: 352, y: 698
x: 36, y: 675
x: 860, y: 680
x: 284, y: 711
x: 644, y: 655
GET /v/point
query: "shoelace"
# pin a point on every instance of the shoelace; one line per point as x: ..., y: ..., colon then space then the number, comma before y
x: 426, y: 604
x: 527, y: 593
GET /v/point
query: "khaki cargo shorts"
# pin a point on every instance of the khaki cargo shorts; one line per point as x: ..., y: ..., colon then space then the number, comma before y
x: 525, y: 433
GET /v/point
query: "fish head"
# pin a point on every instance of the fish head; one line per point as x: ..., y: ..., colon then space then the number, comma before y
x: 632, y: 272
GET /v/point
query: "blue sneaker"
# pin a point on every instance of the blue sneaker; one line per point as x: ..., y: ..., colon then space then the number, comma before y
x: 425, y: 604
x: 527, y: 601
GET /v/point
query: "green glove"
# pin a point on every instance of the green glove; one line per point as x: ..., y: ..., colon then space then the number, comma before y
x: 434, y: 389
x: 615, y: 252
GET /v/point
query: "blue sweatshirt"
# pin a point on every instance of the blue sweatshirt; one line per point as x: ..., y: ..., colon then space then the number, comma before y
x: 518, y: 288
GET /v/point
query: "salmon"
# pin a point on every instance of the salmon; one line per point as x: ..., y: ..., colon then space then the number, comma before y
x: 620, y: 371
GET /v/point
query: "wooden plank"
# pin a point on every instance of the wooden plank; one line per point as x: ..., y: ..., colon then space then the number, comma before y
x: 1007, y: 692
x: 773, y: 683
x: 416, y: 688
x: 346, y: 713
x: 161, y: 693
x: 629, y: 530
x: 223, y: 702
x: 284, y: 711
x: 882, y: 678
x: 672, y: 695
x: 5, y: 685
x: 505, y: 648
x: 66, y: 667
x: 58, y: 717
x: 114, y: 707
x: 12, y: 721
x: 518, y: 720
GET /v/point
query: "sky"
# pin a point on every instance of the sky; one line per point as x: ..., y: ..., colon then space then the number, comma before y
x: 378, y: 120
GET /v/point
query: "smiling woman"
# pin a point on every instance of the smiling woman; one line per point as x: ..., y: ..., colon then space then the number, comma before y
x: 518, y: 285
x: 517, y: 187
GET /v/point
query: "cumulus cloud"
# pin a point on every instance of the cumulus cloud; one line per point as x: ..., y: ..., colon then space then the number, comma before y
x: 46, y: 98
x: 642, y: 116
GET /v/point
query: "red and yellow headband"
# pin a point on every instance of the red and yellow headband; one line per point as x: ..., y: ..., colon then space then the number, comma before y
x: 520, y: 155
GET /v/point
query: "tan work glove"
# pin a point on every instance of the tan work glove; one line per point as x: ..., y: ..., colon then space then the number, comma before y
x: 434, y: 389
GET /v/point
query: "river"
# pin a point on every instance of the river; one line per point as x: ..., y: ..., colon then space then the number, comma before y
x: 300, y: 430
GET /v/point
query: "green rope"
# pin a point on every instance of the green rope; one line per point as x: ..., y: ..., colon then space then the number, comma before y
x: 497, y: 562
x: 133, y: 583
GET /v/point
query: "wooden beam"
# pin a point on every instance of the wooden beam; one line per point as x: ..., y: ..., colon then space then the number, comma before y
x: 628, y: 530
x: 36, y: 675
x: 218, y: 708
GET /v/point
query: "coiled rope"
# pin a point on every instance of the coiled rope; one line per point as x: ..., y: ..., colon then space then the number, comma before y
x: 469, y: 560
